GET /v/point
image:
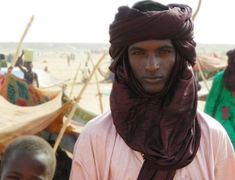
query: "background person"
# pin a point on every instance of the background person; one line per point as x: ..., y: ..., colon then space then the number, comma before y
x: 220, y: 103
x: 3, y: 62
x: 25, y: 65
x: 28, y: 157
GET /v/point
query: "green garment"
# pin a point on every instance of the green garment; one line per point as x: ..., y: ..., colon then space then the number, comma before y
x: 220, y: 104
x: 3, y: 63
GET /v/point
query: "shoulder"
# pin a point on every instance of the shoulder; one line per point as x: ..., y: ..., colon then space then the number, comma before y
x: 209, y: 125
x: 93, y: 149
x: 100, y: 127
x: 219, y: 76
x: 96, y: 139
x: 103, y: 121
x: 213, y: 134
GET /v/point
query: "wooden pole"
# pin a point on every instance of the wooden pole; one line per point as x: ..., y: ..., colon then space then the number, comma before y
x: 197, y: 10
x: 75, y: 101
x: 198, y: 62
x: 202, y: 75
x: 98, y: 89
x: 21, y: 42
x: 74, y: 79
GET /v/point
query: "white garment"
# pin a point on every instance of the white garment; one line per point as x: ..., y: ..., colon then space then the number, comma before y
x: 101, y: 154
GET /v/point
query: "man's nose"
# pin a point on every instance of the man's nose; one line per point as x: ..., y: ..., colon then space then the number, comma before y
x: 152, y: 63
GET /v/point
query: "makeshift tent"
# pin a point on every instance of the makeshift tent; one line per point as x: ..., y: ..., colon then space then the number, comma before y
x: 210, y: 63
x: 26, y: 109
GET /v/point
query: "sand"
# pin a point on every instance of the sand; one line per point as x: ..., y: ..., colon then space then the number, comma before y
x: 58, y: 67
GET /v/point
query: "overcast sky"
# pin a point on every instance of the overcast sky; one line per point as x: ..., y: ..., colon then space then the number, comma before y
x: 81, y: 21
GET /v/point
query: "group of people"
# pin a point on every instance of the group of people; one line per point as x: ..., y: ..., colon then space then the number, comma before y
x: 153, y: 130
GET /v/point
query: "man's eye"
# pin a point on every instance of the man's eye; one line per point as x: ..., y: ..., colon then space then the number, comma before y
x: 165, y: 51
x: 137, y: 53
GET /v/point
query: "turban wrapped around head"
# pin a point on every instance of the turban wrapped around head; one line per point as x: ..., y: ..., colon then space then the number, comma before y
x: 231, y: 59
x: 168, y: 134
x: 229, y: 73
x: 131, y: 26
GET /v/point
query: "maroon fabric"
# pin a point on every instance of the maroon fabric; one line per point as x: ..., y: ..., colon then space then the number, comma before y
x: 131, y: 26
x: 229, y: 73
x: 164, y: 127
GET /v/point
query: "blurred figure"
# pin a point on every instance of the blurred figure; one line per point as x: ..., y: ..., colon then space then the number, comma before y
x: 220, y: 102
x: 68, y: 59
x: 3, y: 62
x: 25, y: 65
x: 85, y: 72
x: 46, y: 68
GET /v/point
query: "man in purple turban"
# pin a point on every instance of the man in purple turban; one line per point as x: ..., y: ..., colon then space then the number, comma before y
x: 153, y: 131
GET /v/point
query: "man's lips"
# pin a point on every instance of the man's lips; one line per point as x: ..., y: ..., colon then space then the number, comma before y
x: 153, y: 79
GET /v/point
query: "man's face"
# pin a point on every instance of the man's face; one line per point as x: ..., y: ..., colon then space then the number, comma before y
x: 152, y: 62
x: 25, y: 167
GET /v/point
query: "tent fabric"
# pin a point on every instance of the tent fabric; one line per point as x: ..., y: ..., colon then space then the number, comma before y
x: 16, y: 120
x: 210, y: 63
x: 18, y: 92
x: 45, y: 79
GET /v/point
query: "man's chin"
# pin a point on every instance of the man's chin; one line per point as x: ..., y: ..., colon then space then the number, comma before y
x: 153, y: 90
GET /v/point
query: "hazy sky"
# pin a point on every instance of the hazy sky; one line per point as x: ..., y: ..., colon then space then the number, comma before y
x: 88, y: 20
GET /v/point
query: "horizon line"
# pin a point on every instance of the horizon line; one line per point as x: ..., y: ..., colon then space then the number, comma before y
x: 44, y: 42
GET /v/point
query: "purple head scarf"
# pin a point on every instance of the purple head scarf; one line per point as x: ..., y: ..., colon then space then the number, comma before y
x: 229, y: 73
x: 164, y: 127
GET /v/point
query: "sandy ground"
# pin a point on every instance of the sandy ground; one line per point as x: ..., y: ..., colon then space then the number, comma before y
x: 58, y: 67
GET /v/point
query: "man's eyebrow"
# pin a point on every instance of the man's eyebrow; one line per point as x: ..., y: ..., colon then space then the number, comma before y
x: 135, y: 48
x: 166, y: 47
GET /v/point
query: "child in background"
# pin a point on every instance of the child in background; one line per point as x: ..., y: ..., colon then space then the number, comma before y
x: 28, y: 157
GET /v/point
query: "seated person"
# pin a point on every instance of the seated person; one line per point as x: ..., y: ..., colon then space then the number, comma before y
x: 28, y: 157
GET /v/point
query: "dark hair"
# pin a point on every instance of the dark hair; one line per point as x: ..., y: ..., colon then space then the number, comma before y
x: 32, y: 145
x: 148, y: 5
x: 2, y: 56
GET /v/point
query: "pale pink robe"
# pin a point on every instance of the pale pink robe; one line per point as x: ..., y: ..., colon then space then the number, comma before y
x: 101, y: 154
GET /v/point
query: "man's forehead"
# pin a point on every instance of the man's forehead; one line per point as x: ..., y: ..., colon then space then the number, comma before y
x: 152, y: 43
